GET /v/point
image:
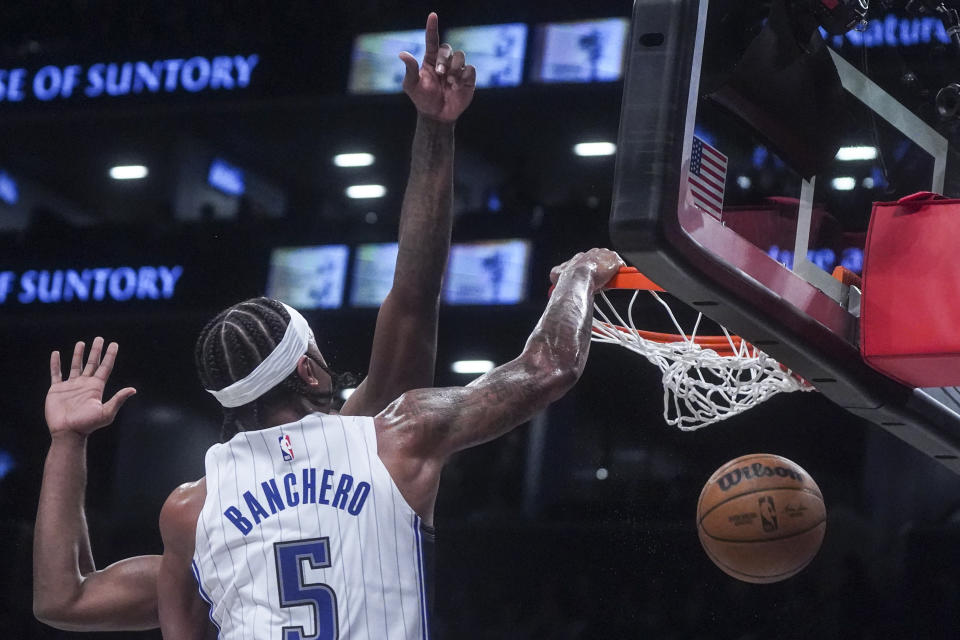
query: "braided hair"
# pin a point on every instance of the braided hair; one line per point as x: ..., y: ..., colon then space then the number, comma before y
x: 234, y: 343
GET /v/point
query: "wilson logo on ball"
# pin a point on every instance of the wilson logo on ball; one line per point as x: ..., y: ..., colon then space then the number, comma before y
x: 756, y: 470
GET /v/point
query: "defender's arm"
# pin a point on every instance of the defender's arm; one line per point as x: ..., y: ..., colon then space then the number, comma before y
x: 405, y: 340
x: 68, y: 592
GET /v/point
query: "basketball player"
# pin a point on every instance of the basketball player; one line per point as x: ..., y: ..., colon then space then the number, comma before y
x: 308, y: 523
x: 69, y: 592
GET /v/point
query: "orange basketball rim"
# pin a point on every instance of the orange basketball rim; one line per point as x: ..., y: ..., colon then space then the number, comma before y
x: 629, y: 278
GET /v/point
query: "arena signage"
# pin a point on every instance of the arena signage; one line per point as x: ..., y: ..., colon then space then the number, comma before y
x: 119, y: 284
x: 115, y: 79
x: 893, y: 31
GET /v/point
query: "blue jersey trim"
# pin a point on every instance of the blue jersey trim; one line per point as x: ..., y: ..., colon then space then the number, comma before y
x: 203, y: 594
x: 420, y: 580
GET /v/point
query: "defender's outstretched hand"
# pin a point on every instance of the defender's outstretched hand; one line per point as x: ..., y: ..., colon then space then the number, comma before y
x: 76, y: 404
x: 442, y: 87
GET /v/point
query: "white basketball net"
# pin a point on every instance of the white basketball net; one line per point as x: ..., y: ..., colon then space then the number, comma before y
x: 700, y: 386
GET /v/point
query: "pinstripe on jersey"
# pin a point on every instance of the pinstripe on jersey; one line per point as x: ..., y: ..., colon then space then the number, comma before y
x: 303, y: 528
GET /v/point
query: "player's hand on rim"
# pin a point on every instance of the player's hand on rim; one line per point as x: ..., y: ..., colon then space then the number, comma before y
x: 603, y: 263
x: 443, y: 86
x: 75, y: 405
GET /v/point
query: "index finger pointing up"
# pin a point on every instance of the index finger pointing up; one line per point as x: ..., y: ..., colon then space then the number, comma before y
x: 432, y: 36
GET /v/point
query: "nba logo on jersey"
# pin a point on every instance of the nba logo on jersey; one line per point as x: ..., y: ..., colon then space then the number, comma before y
x: 286, y: 448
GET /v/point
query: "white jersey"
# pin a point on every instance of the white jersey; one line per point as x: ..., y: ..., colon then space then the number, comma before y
x: 304, y: 534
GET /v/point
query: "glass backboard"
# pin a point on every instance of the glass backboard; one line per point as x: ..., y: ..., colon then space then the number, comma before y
x: 752, y: 145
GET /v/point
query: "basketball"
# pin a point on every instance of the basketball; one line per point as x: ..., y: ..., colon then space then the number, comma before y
x: 761, y: 518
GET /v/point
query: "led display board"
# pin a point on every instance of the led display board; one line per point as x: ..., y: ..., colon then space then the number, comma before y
x: 495, y: 50
x: 374, y: 65
x: 308, y: 277
x: 489, y: 272
x: 478, y: 273
x: 373, y: 267
x: 587, y: 51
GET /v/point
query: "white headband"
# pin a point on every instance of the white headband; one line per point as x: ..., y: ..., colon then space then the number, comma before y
x: 274, y: 368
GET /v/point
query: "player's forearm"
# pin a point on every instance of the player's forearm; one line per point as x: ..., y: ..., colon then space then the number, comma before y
x: 550, y: 364
x: 426, y: 213
x: 561, y: 338
x: 61, y: 547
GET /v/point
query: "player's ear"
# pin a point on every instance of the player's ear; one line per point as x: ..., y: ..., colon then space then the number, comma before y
x: 307, y: 370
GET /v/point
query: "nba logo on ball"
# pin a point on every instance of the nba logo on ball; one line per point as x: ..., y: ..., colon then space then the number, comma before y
x: 286, y: 448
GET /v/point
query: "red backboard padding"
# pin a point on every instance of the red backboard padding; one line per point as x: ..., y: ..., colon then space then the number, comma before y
x: 910, y: 307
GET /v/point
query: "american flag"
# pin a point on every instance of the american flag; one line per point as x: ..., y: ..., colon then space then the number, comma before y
x: 708, y: 175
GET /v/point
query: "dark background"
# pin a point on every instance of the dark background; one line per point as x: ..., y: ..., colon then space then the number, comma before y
x: 541, y: 551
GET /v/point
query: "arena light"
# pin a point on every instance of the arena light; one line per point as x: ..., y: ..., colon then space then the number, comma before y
x: 848, y: 154
x: 844, y: 183
x: 346, y: 393
x: 227, y: 178
x: 9, y: 192
x: 128, y: 172
x: 7, y: 463
x: 587, y: 149
x: 353, y: 159
x: 472, y: 366
x: 359, y: 191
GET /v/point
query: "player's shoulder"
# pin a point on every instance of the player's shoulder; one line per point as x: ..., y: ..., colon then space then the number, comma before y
x: 189, y: 494
x: 178, y: 518
x: 417, y: 419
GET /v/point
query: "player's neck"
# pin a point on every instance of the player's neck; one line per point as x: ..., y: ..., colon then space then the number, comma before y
x: 290, y: 412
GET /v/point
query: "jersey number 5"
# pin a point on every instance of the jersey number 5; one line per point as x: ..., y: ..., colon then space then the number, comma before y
x: 295, y: 591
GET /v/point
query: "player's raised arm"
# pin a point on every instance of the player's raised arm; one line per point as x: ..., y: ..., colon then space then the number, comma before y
x: 68, y: 591
x: 419, y: 431
x: 405, y: 341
